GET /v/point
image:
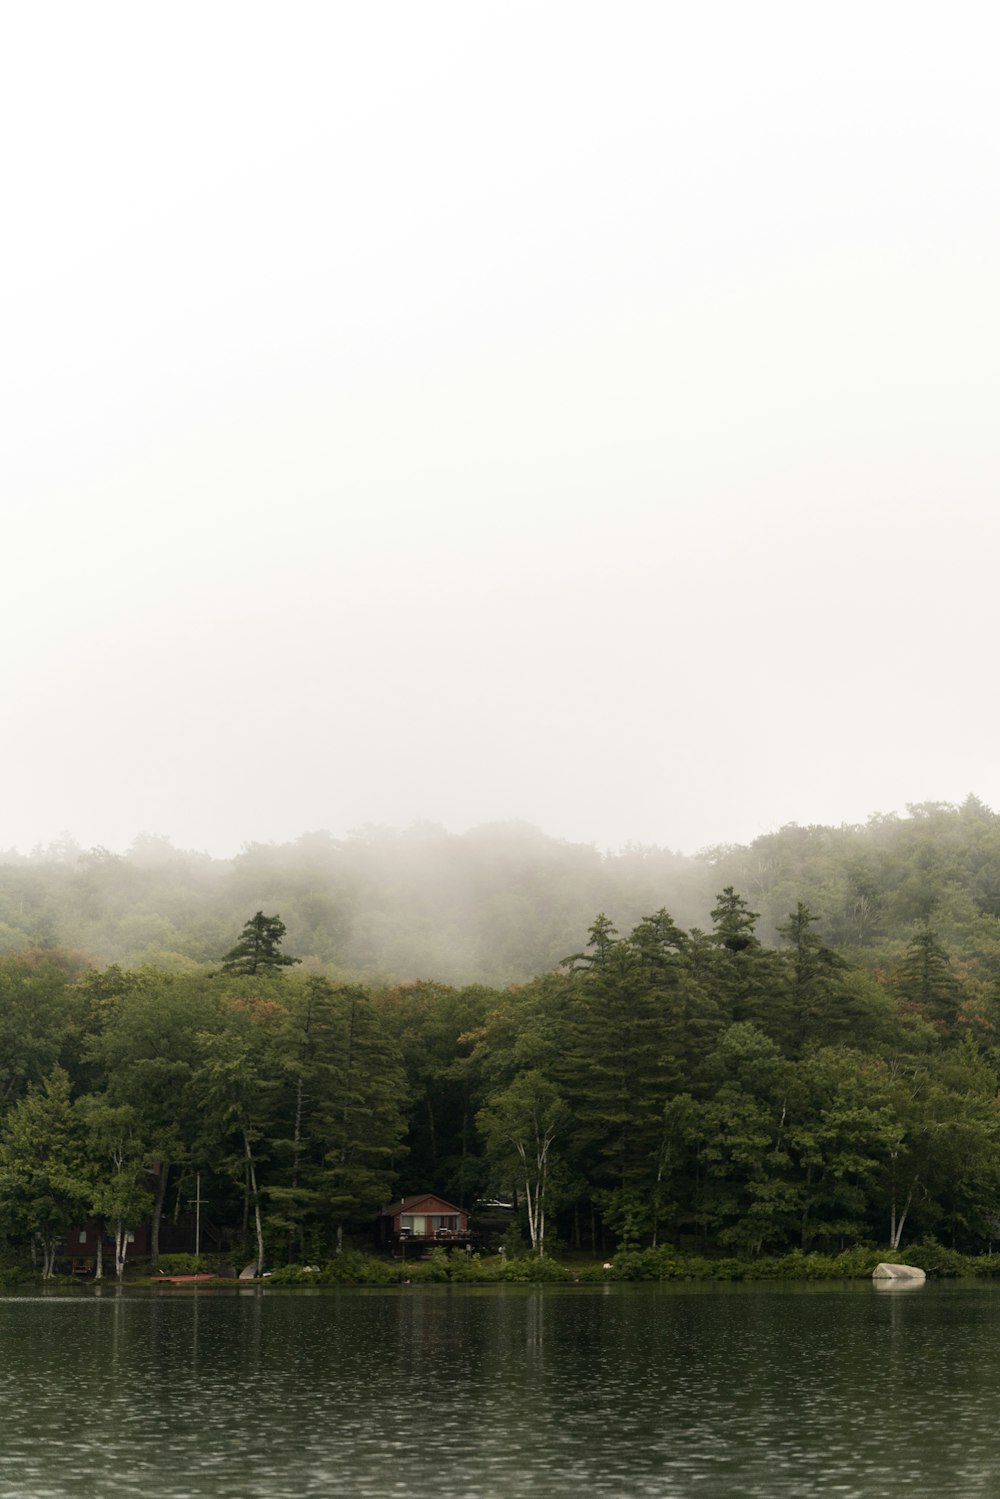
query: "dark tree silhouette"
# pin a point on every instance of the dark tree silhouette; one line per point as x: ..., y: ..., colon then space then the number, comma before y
x: 258, y: 947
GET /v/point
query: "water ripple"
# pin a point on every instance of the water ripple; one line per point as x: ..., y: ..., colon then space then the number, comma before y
x: 760, y: 1391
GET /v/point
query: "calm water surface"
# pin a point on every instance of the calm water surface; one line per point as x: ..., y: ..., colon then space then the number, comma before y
x: 491, y: 1393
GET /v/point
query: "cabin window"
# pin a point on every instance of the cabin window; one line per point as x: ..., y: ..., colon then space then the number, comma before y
x: 130, y: 1237
x: 415, y: 1222
x: 83, y: 1236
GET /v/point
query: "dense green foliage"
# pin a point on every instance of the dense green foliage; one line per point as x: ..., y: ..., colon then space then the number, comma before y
x: 661, y: 1089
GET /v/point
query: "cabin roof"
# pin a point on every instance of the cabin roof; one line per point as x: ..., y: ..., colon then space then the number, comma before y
x: 407, y: 1204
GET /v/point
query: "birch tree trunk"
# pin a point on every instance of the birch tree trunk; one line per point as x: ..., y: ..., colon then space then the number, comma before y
x: 121, y: 1247
x: 254, y: 1195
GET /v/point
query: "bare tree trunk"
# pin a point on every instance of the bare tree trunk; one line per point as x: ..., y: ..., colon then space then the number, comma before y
x: 897, y: 1228
x: 99, y: 1261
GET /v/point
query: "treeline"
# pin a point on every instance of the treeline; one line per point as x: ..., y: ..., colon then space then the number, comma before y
x: 501, y: 904
x: 662, y: 1085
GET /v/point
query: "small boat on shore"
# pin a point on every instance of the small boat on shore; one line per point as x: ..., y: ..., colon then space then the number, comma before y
x: 183, y: 1280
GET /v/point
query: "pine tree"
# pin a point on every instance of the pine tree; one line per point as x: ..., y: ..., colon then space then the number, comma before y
x: 813, y: 985
x: 257, y: 949
x: 926, y: 978
x: 734, y: 922
x: 616, y: 1071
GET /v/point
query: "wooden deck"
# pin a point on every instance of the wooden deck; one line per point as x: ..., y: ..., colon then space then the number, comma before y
x: 442, y: 1238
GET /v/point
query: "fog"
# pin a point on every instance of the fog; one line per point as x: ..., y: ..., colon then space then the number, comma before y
x: 559, y: 412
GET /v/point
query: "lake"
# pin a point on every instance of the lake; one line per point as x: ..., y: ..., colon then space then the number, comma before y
x: 490, y: 1392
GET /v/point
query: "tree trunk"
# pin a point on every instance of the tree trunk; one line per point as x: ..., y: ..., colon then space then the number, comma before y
x: 158, y: 1201
x: 121, y: 1248
x: 896, y: 1233
x: 252, y: 1188
x: 99, y: 1259
x: 532, y: 1224
x: 296, y: 1157
x: 540, y: 1198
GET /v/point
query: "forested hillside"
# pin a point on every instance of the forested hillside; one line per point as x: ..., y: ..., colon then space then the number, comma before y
x: 660, y: 1084
x: 503, y: 904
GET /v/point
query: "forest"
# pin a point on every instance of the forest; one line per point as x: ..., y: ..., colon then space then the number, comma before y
x: 818, y: 1078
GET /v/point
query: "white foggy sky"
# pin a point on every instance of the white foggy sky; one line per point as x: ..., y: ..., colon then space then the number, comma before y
x: 570, y: 412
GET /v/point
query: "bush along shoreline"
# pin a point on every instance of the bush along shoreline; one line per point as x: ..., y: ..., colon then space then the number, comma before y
x: 443, y: 1267
x: 661, y: 1264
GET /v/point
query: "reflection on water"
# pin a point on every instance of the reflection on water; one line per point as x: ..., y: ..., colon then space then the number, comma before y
x: 493, y: 1392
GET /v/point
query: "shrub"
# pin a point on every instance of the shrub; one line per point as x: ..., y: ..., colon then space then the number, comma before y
x: 181, y: 1264
x: 355, y: 1269
x: 293, y: 1275
x: 531, y: 1269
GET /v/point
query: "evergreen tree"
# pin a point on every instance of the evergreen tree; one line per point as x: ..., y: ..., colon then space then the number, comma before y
x: 257, y: 949
x: 925, y: 978
x: 813, y: 979
x: 734, y: 922
x: 617, y: 1071
x: 745, y: 975
x: 359, y: 1123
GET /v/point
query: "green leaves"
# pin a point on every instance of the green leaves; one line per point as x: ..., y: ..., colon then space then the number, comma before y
x: 44, y: 1183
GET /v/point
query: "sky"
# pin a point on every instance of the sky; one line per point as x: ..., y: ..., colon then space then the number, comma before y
x: 577, y: 413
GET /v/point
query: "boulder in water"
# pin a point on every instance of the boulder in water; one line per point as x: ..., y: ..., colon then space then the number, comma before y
x: 900, y: 1274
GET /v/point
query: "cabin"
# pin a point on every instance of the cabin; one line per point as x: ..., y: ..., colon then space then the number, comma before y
x: 80, y: 1245
x: 424, y: 1219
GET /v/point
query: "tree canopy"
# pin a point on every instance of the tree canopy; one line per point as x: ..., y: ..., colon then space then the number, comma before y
x: 753, y: 1078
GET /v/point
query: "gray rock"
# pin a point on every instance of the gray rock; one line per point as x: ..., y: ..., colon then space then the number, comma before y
x: 904, y: 1274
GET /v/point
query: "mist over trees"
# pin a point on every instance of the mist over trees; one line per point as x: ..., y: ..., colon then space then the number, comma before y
x: 802, y: 1048
x: 794, y: 1043
x: 659, y: 1085
x: 502, y: 904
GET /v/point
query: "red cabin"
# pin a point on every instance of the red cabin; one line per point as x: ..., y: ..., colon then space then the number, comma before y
x: 424, y: 1219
